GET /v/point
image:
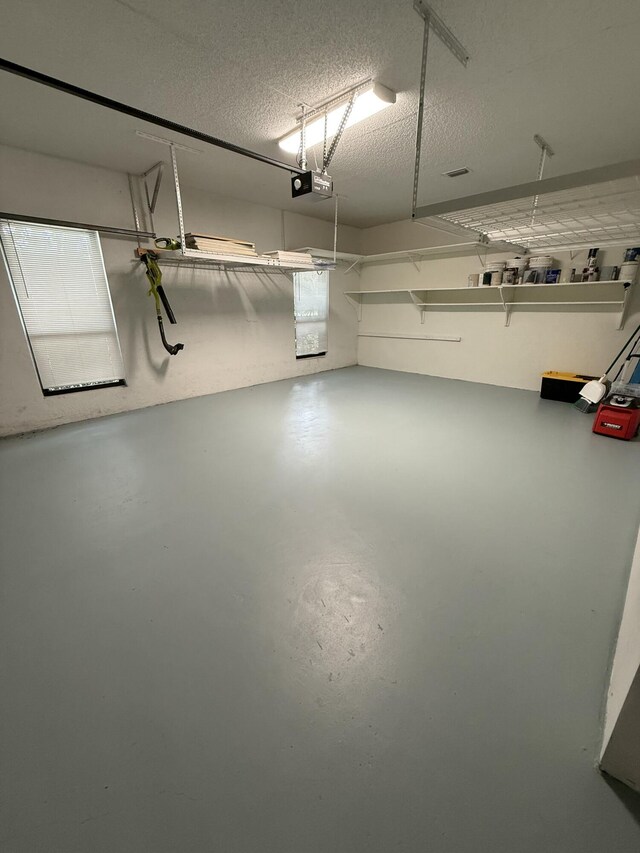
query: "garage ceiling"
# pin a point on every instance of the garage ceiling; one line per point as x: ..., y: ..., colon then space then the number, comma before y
x: 237, y: 69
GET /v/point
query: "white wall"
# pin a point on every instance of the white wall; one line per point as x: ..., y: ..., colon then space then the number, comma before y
x: 576, y: 339
x: 237, y: 327
x: 621, y: 743
x: 627, y: 655
x: 407, y: 234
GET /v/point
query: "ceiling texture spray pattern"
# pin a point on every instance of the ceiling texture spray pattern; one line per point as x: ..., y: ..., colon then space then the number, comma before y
x: 238, y: 70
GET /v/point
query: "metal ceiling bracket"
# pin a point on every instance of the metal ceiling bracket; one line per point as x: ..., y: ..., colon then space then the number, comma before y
x: 443, y: 32
x: 176, y: 186
x: 423, y: 77
x: 336, y: 139
x: 546, y: 151
x: 302, y: 153
x: 152, y: 200
x: 431, y: 20
x: 134, y: 206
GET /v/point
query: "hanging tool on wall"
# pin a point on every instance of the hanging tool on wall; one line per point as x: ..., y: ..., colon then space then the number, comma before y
x: 167, y: 243
x: 154, y: 274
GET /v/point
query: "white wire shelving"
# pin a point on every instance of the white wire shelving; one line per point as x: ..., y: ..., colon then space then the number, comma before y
x: 197, y: 257
x: 415, y: 256
x: 222, y: 261
x: 602, y: 214
x: 506, y: 297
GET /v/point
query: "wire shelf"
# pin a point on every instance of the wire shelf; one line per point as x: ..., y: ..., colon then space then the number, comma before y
x: 210, y: 260
x: 595, y: 215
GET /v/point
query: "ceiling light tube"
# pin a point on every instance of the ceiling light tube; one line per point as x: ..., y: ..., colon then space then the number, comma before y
x: 369, y: 100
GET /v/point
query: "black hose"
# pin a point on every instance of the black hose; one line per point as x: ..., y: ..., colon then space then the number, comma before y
x: 165, y: 301
x: 172, y: 349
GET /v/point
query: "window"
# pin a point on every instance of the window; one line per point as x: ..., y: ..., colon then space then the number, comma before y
x: 61, y: 290
x: 311, y: 305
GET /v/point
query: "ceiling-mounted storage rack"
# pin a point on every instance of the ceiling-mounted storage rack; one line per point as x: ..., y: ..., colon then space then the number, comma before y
x: 506, y: 297
x: 597, y: 207
x: 198, y: 257
x: 210, y: 260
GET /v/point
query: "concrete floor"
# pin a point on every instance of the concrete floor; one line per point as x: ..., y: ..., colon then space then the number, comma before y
x: 361, y: 611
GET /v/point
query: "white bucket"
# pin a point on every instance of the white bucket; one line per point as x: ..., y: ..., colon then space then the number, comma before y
x: 628, y: 271
x: 515, y: 270
x: 541, y: 262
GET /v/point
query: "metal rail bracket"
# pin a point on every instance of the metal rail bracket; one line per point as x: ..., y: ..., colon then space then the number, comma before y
x: 443, y: 32
x: 431, y: 21
x: 153, y: 198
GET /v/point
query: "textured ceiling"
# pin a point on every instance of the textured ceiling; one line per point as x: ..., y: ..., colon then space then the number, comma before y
x: 237, y: 69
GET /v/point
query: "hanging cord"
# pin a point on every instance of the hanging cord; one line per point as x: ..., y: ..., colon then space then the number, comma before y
x: 154, y: 275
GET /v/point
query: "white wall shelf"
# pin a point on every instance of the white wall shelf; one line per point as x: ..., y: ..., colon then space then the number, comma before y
x: 506, y: 297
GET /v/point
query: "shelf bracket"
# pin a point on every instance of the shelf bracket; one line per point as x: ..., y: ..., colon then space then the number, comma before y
x: 355, y: 265
x: 507, y: 306
x: 625, y: 305
x: 417, y: 302
x: 415, y: 260
x: 152, y: 198
x: 357, y: 305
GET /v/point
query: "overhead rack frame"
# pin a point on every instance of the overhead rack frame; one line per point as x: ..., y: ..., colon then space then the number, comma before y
x: 595, y: 207
x: 198, y: 256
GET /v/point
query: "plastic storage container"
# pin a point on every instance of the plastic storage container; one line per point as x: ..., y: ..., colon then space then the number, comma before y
x: 493, y: 273
x: 564, y: 387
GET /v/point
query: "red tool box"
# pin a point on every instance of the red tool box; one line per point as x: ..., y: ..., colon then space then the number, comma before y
x: 617, y: 422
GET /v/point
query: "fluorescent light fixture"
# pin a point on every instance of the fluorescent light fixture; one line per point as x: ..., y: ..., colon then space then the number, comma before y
x: 369, y: 100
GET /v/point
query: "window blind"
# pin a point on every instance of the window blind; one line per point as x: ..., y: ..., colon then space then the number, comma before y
x: 61, y: 289
x: 311, y: 303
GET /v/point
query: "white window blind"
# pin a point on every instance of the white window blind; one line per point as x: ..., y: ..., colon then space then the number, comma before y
x: 311, y: 303
x: 61, y: 289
